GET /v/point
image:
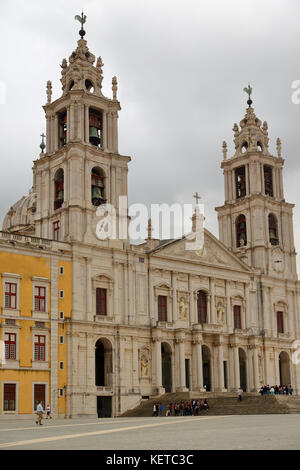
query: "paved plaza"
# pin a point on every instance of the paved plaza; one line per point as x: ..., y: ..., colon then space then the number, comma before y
x: 254, y: 432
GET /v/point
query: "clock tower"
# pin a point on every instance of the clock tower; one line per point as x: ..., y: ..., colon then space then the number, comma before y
x: 256, y: 222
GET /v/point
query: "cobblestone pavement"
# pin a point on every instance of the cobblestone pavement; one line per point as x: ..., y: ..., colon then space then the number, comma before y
x: 255, y: 432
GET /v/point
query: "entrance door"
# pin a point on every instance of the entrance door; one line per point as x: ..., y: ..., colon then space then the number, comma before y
x: 206, y: 368
x: 243, y: 370
x: 166, y: 363
x: 104, y: 407
x: 39, y: 395
x: 187, y: 373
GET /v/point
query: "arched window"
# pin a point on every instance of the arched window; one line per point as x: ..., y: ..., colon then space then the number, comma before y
x: 202, y: 306
x: 95, y: 127
x: 98, y: 188
x: 273, y: 231
x: 268, y: 178
x: 241, y: 231
x: 58, y: 188
x: 240, y: 182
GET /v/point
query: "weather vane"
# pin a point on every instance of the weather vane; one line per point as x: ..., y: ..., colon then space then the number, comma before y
x: 249, y: 92
x: 82, y: 20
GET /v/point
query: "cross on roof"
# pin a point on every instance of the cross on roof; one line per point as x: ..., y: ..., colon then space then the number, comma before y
x: 197, y: 197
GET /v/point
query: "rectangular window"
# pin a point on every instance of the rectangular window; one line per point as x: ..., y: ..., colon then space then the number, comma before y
x: 61, y: 270
x: 56, y: 227
x: 280, y: 326
x: 61, y: 340
x: 237, y: 317
x: 202, y: 307
x: 162, y: 308
x: 101, y: 305
x: 40, y: 299
x: 39, y: 347
x: 10, y: 295
x: 9, y: 397
x: 10, y: 345
x: 61, y: 365
x: 61, y: 315
x: 39, y: 395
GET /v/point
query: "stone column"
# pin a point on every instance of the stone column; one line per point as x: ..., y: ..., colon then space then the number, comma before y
x: 104, y: 131
x: 115, y: 131
x: 157, y: 362
x: 219, y: 345
x: 255, y: 369
x: 55, y: 131
x: 237, y: 380
x: 174, y: 297
x: 89, y: 312
x: 212, y: 301
x: 199, y: 368
x: 87, y: 124
x: 182, y: 382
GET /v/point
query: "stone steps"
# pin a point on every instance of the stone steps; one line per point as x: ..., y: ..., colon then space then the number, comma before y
x: 224, y: 404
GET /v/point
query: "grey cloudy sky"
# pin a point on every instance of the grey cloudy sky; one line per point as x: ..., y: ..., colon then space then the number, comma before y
x: 181, y: 68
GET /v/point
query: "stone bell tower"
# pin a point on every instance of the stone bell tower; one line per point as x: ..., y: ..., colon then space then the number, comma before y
x: 81, y: 168
x: 255, y: 222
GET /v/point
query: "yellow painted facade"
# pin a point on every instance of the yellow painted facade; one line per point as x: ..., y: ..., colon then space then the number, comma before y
x: 27, y: 267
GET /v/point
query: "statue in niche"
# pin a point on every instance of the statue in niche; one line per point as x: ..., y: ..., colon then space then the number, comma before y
x: 144, y: 366
x: 182, y: 309
x: 220, y: 312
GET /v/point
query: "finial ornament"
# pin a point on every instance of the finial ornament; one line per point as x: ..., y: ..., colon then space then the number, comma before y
x: 278, y: 147
x: 224, y: 147
x: 43, y: 145
x: 82, y: 20
x: 150, y: 229
x: 249, y: 92
x: 114, y: 87
x: 49, y: 91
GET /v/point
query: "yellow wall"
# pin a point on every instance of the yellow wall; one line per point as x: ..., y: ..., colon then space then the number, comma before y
x: 39, y: 266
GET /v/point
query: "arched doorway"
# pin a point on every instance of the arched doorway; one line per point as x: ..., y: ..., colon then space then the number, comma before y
x: 243, y: 369
x: 103, y: 375
x: 206, y: 367
x: 166, y: 363
x: 284, y: 368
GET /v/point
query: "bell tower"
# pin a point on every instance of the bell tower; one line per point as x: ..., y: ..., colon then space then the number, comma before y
x: 255, y: 222
x: 81, y: 168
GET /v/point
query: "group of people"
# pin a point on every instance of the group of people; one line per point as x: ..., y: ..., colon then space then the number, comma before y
x: 182, y: 408
x: 40, y: 412
x: 276, y: 390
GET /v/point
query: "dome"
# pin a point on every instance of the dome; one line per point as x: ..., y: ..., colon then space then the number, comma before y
x: 20, y: 217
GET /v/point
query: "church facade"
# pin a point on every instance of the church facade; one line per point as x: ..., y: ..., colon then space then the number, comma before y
x: 155, y: 318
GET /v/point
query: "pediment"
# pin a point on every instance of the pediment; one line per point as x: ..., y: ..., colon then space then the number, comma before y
x: 213, y: 252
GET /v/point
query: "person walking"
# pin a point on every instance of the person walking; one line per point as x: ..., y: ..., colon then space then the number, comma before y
x: 240, y: 392
x: 39, y: 412
x: 48, y: 410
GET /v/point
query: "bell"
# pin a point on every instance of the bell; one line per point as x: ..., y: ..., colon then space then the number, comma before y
x: 96, y: 192
x: 273, y: 237
x: 60, y: 196
x: 94, y: 137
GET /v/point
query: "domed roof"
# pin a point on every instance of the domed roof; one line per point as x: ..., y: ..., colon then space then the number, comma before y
x: 20, y: 217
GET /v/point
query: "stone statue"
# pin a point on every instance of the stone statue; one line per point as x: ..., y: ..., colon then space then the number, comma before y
x: 220, y: 312
x: 182, y: 309
x: 144, y: 367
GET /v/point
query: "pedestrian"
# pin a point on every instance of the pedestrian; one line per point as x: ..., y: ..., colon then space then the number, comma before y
x: 240, y: 391
x: 48, y: 410
x: 154, y: 410
x: 205, y: 405
x: 291, y: 390
x: 160, y: 409
x: 39, y: 411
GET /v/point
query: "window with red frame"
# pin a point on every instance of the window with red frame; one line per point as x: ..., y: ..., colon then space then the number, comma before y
x: 39, y: 347
x: 56, y: 227
x: 101, y: 306
x: 10, y: 295
x: 162, y: 308
x: 202, y: 306
x: 10, y: 343
x: 40, y: 299
x: 237, y: 317
x: 9, y: 397
x: 280, y: 326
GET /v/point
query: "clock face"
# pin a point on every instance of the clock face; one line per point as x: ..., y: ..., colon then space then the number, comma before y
x: 277, y: 261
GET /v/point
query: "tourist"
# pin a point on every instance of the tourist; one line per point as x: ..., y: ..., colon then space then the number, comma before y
x: 240, y: 391
x: 160, y: 409
x: 291, y: 390
x: 39, y: 412
x: 48, y: 410
x: 206, y: 405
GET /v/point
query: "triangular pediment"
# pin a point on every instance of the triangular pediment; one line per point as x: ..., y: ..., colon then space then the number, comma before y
x: 213, y: 252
